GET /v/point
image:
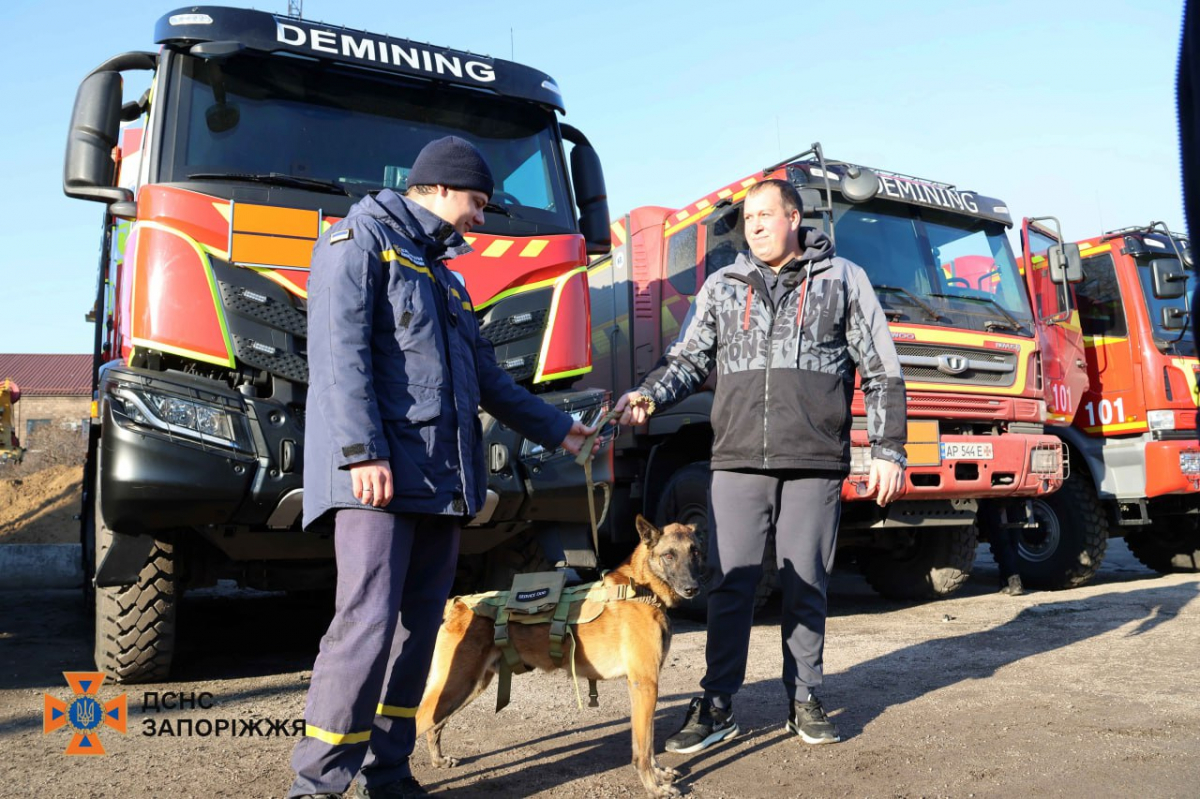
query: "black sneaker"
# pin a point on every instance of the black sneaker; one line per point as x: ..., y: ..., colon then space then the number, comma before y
x: 703, y: 726
x: 808, y: 720
x: 406, y: 788
x: 1013, y: 586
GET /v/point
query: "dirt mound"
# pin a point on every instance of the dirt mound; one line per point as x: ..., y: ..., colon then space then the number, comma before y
x: 39, y: 508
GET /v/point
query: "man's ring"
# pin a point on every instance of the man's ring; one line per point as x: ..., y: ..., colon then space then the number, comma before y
x: 366, y: 491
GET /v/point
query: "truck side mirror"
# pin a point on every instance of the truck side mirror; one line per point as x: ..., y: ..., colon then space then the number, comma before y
x: 1170, y: 282
x: 859, y: 184
x: 811, y: 199
x: 1174, y: 319
x: 1066, y: 266
x: 587, y: 177
x: 89, y: 169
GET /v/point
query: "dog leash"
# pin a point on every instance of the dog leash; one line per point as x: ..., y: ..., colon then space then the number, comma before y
x: 584, y: 459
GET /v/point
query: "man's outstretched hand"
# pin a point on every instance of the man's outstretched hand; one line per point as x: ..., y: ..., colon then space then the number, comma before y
x: 576, y: 436
x: 633, y: 407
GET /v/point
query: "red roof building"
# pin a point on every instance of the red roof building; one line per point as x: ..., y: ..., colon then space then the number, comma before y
x: 48, y: 375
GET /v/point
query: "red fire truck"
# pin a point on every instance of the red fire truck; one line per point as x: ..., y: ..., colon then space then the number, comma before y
x: 1134, y: 455
x: 968, y: 342
x: 257, y: 133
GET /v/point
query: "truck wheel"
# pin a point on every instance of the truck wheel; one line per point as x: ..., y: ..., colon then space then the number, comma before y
x: 936, y: 564
x: 684, y: 500
x: 135, y: 624
x: 1168, y: 547
x: 1067, y: 545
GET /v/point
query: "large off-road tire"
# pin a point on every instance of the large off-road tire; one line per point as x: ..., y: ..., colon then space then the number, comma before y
x: 684, y: 500
x: 1066, y: 546
x: 135, y: 624
x: 935, y: 564
x: 1169, y: 546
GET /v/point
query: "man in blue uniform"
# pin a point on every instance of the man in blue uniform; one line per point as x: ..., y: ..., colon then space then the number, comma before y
x: 394, y: 456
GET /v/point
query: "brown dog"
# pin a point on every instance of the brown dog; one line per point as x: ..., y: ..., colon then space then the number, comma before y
x: 629, y: 639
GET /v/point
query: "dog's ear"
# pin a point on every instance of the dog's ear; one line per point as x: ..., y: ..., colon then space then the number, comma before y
x: 648, y: 532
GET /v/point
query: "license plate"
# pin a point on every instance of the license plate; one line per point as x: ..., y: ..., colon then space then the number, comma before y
x: 966, y: 451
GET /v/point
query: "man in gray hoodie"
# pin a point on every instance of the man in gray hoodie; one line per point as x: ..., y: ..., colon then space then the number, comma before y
x: 785, y: 326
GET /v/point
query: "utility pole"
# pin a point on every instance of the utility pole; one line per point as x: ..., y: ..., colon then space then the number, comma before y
x: 296, y: 8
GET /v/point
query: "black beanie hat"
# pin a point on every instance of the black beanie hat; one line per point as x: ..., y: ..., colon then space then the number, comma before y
x: 453, y: 162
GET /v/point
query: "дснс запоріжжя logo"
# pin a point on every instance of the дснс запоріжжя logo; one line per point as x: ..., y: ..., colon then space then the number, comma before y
x: 85, y: 713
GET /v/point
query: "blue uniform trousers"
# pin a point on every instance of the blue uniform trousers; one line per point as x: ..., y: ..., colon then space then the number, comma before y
x: 394, y: 575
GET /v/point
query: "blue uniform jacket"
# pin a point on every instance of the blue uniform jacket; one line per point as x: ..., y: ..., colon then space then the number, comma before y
x: 398, y: 368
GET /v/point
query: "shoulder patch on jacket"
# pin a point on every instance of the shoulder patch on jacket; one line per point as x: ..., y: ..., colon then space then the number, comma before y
x: 342, y: 235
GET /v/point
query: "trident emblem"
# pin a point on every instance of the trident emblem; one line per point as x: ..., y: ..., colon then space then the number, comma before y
x: 85, y: 714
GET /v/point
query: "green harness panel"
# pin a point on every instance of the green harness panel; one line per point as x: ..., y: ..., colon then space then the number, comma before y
x: 541, y: 598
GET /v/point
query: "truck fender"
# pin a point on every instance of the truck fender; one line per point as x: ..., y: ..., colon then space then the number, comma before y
x: 1081, y: 447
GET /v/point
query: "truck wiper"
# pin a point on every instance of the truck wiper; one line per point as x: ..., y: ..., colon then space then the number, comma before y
x: 274, y: 179
x: 1013, y: 322
x: 493, y: 208
x: 928, y: 309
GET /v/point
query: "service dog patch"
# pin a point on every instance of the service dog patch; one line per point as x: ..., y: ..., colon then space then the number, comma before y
x: 530, y: 596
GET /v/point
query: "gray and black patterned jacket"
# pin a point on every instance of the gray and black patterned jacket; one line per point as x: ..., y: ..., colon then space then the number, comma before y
x: 784, y: 389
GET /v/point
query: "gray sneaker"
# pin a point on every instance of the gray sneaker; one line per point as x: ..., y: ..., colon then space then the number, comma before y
x: 808, y: 720
x: 703, y: 726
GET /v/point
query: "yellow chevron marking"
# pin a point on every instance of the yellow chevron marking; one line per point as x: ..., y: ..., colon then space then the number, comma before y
x: 534, y: 248
x: 682, y: 214
x: 497, y: 248
x: 700, y: 206
x: 723, y: 193
x: 748, y: 182
x: 618, y: 230
x: 470, y: 240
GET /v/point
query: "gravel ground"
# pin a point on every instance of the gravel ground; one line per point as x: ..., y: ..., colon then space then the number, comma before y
x: 1082, y: 693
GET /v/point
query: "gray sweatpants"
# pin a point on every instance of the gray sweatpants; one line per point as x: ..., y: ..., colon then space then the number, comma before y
x: 802, y: 508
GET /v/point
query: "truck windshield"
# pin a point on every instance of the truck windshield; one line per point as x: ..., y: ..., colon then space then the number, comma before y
x: 960, y: 267
x: 272, y: 117
x: 1171, y: 342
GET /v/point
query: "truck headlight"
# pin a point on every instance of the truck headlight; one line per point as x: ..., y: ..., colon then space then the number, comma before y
x: 860, y: 460
x: 189, y: 418
x: 1161, y: 420
x: 1189, y: 462
x: 1045, y: 460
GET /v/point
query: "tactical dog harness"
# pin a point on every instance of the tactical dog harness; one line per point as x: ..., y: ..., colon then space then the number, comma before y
x: 540, y: 598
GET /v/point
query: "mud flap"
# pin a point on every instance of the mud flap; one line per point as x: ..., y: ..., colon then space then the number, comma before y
x: 124, y: 560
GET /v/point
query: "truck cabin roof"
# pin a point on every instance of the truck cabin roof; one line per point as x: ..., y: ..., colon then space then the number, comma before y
x: 895, y: 187
x: 237, y: 28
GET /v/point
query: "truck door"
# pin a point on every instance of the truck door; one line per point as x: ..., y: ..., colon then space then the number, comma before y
x: 1060, y: 335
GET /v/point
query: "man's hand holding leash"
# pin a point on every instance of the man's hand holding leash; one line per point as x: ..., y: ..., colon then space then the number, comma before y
x: 635, y: 408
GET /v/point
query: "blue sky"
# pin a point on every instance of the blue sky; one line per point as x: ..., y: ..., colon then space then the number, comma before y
x: 1059, y: 107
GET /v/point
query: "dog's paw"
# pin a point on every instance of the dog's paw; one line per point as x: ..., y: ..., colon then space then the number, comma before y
x: 665, y: 792
x: 444, y: 762
x: 666, y: 775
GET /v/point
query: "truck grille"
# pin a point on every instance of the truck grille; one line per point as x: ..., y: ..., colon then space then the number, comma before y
x: 925, y: 363
x: 505, y: 329
x: 264, y: 309
x: 269, y: 358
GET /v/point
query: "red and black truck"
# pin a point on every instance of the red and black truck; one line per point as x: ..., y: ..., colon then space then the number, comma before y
x: 258, y: 132
x: 973, y: 353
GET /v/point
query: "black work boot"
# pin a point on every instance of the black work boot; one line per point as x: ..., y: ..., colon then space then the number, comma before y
x: 808, y: 720
x: 404, y: 788
x: 703, y: 726
x: 1013, y: 586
